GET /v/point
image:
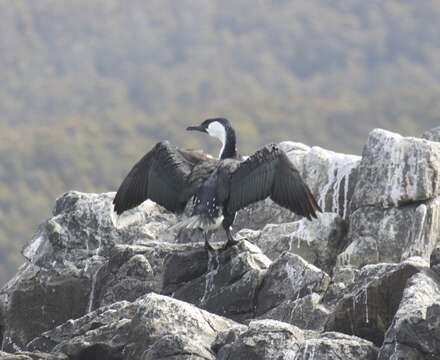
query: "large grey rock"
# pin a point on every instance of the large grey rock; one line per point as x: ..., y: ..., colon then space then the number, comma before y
x: 224, y: 282
x: 273, y: 340
x: 307, y: 312
x: 289, y: 277
x: 89, y: 289
x: 177, y: 347
x: 415, y: 331
x: 432, y: 135
x: 313, y: 311
x: 265, y: 340
x: 65, y: 262
x: 318, y: 241
x: 393, y: 234
x: 370, y: 303
x: 229, y: 284
x: 38, y: 299
x: 153, y: 325
x: 396, y: 170
x: 336, y: 346
x: 81, y: 227
x: 107, y: 326
x: 134, y: 270
x: 159, y: 316
x: 75, y: 265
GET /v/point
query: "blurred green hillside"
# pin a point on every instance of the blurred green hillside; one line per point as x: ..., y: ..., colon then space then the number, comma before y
x: 88, y: 86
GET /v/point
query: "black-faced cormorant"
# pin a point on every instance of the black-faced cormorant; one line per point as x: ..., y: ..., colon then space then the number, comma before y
x: 219, y: 187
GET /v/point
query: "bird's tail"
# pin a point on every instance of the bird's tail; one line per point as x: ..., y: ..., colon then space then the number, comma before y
x: 198, y: 222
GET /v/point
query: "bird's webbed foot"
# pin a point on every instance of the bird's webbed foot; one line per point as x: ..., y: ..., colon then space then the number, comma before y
x: 231, y: 241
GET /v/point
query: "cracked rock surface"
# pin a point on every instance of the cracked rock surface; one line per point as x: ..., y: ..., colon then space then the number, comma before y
x: 360, y: 282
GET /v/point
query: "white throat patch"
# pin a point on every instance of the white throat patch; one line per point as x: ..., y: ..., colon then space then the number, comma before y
x: 217, y: 130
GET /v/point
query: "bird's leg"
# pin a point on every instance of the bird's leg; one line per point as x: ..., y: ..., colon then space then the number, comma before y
x: 231, y: 241
x: 208, y: 246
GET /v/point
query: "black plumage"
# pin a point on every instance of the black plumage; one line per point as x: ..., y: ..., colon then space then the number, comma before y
x: 166, y: 175
x: 218, y: 187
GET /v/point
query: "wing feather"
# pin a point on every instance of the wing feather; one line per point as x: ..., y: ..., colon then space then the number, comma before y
x: 269, y: 172
x: 160, y: 175
x: 253, y: 179
x: 290, y: 190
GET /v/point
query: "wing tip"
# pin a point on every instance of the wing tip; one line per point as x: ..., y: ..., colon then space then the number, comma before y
x: 117, y: 206
x: 115, y: 213
x: 114, y: 217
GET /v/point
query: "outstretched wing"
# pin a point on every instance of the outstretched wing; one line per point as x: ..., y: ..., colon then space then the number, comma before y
x: 160, y: 176
x: 269, y: 172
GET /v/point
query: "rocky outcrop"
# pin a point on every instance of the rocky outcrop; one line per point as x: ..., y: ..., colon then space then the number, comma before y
x: 136, y: 330
x: 393, y: 234
x: 360, y: 282
x: 319, y: 241
x: 290, y: 277
x: 39, y: 300
x: 396, y: 170
x: 369, y: 305
x: 159, y: 327
x: 414, y: 332
x: 230, y: 283
x: 432, y: 135
x: 270, y: 340
x: 395, y: 205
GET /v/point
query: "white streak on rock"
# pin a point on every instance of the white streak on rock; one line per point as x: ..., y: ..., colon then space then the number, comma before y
x: 292, y: 275
x: 394, y: 168
x: 340, y: 167
x: 213, y: 266
x: 366, y: 305
x: 92, y: 290
x: 419, y: 239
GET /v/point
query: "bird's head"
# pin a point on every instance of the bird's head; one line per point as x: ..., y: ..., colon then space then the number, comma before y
x: 221, y: 129
x: 217, y: 127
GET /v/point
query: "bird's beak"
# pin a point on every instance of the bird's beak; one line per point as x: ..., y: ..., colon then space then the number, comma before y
x: 196, y: 128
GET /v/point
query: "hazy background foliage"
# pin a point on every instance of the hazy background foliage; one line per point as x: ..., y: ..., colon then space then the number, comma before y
x: 88, y: 86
